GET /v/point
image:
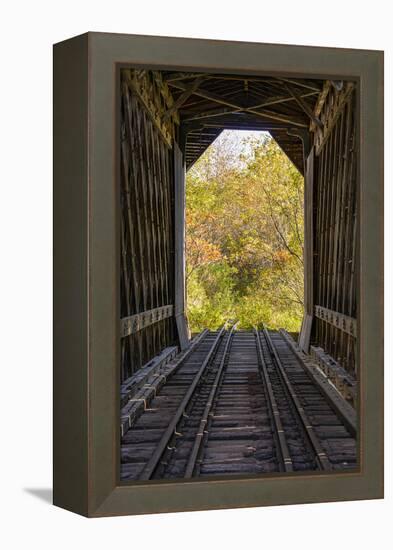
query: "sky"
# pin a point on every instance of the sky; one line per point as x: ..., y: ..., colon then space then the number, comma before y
x: 238, y: 143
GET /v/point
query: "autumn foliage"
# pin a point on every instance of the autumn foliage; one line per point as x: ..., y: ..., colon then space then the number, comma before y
x: 244, y: 236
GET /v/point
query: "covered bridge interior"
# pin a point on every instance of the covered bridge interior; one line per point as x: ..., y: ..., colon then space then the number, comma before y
x: 168, y: 119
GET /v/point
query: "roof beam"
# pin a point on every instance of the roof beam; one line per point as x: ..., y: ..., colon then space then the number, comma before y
x: 235, y: 122
x: 223, y: 111
x: 174, y: 77
x: 282, y: 100
x: 189, y: 90
x: 303, y: 105
x: 320, y: 101
x: 265, y: 114
x: 301, y: 84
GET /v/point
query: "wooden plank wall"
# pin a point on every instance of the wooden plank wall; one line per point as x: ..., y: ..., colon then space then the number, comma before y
x: 147, y: 233
x: 335, y: 223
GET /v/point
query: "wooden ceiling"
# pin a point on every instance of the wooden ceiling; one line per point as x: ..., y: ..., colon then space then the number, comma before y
x: 209, y: 103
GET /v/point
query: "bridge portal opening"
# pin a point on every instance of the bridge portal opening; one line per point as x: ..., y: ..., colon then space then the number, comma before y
x: 244, y: 235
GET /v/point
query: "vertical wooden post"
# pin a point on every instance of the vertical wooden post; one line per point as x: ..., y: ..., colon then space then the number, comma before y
x: 180, y: 287
x: 308, y: 255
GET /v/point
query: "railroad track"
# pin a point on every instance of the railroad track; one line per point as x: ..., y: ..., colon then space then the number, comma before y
x: 238, y: 403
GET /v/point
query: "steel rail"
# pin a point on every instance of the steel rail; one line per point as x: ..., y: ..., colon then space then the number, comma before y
x: 154, y: 460
x: 205, y: 417
x: 143, y: 391
x: 286, y: 460
x: 320, y: 455
x: 345, y: 412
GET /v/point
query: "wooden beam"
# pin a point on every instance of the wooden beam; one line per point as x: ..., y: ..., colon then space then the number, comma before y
x: 329, y: 124
x: 320, y: 101
x: 233, y: 124
x: 210, y: 114
x: 282, y: 100
x: 345, y: 411
x: 144, y: 375
x: 175, y: 77
x: 303, y: 105
x: 222, y: 101
x: 190, y: 89
x: 223, y: 111
x: 153, y: 101
x: 180, y: 237
x: 308, y: 254
x: 339, y: 320
x: 139, y: 321
x: 342, y: 380
x: 138, y: 403
x: 301, y: 84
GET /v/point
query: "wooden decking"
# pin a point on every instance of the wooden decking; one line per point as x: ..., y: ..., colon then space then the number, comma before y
x: 236, y: 403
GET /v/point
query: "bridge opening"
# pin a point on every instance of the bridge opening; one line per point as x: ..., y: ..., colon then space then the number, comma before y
x: 244, y: 235
x: 269, y: 240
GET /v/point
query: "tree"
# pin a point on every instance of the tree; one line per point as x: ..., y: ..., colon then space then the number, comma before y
x: 244, y: 236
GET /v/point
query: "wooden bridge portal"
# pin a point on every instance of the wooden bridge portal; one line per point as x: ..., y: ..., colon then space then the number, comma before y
x: 167, y: 120
x: 136, y: 396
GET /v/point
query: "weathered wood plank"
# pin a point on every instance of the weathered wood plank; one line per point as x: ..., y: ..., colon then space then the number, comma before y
x: 339, y: 320
x: 155, y: 97
x: 342, y: 380
x: 180, y: 279
x: 188, y: 91
x: 138, y: 321
x: 335, y: 233
x: 346, y: 412
x: 263, y: 114
x: 333, y: 115
x: 303, y: 105
x: 134, y: 383
x: 146, y: 227
x: 308, y: 254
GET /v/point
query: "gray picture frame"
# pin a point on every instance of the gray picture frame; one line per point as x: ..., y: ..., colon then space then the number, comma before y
x: 86, y: 267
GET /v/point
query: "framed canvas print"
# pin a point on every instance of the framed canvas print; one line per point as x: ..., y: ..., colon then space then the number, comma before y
x: 218, y: 274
